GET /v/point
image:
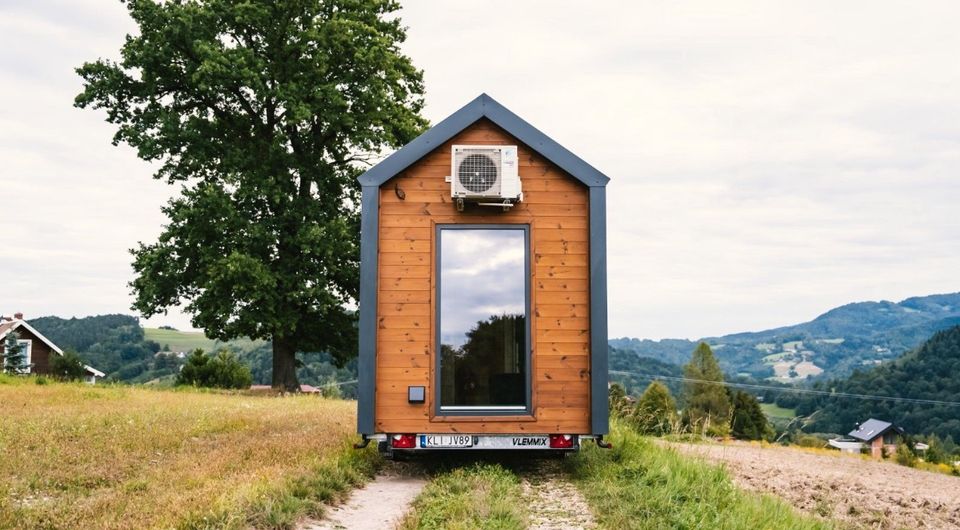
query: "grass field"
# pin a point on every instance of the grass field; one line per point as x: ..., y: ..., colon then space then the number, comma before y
x: 76, y: 456
x: 774, y: 411
x: 191, y: 340
x: 641, y: 485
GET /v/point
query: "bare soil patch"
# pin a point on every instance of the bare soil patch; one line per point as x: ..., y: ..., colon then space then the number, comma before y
x: 859, y: 493
x: 378, y: 505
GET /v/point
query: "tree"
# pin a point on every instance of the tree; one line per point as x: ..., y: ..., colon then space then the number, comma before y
x: 656, y: 411
x: 748, y: 422
x: 14, y: 361
x: 706, y: 402
x: 221, y: 371
x: 264, y: 114
x: 68, y: 366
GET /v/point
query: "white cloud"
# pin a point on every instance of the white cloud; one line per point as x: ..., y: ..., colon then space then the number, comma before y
x: 769, y: 161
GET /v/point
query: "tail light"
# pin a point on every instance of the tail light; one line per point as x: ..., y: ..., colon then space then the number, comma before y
x: 561, y: 441
x: 403, y: 441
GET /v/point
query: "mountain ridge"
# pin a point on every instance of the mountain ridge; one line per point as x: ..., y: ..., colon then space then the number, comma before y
x: 833, y: 344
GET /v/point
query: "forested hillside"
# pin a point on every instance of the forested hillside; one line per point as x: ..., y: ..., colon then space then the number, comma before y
x: 858, y: 335
x: 930, y: 372
x: 118, y: 346
x: 113, y: 344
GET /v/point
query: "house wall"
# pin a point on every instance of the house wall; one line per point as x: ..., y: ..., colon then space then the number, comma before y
x: 555, y: 206
x: 39, y: 351
x: 876, y: 447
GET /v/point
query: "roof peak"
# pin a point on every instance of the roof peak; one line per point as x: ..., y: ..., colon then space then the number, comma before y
x: 483, y: 106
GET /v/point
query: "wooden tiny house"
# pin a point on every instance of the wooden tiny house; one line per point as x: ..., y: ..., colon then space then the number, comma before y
x: 483, y: 301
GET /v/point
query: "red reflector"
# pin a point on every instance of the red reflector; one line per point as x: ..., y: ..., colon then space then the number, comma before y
x: 561, y: 441
x: 403, y: 441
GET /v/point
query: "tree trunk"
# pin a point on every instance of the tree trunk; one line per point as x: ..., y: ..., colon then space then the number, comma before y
x: 284, y: 367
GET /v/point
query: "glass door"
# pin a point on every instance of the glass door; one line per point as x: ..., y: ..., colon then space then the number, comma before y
x: 483, y: 329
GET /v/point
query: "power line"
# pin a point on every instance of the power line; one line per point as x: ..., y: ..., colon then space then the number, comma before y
x: 793, y: 389
x: 339, y: 383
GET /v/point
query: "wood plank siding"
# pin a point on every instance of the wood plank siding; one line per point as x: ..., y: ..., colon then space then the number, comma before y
x: 555, y: 206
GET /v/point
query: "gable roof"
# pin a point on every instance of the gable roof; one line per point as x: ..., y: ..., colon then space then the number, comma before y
x: 7, y: 327
x: 483, y: 106
x: 873, y: 428
x: 22, y: 323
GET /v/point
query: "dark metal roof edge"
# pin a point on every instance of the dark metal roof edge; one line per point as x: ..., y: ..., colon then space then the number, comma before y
x: 542, y: 143
x: 483, y: 106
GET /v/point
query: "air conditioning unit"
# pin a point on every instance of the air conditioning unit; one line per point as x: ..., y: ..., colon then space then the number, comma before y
x: 484, y: 174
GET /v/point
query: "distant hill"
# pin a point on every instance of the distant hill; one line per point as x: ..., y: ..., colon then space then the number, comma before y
x: 852, y: 336
x: 932, y: 372
x: 635, y: 372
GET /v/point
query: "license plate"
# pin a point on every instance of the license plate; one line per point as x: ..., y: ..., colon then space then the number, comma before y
x: 513, y: 442
x: 446, y: 440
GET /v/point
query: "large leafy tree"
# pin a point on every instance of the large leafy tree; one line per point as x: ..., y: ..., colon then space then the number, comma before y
x: 706, y: 401
x: 263, y: 113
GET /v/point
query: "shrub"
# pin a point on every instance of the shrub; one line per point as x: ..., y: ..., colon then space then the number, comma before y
x: 808, y: 440
x: 222, y: 371
x: 656, y: 411
x: 619, y: 402
x: 905, y: 456
x: 67, y: 366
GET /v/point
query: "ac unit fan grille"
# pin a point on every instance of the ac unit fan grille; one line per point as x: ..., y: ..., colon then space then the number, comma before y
x: 478, y: 173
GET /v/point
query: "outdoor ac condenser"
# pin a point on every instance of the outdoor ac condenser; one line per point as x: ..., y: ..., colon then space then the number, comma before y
x: 485, y: 173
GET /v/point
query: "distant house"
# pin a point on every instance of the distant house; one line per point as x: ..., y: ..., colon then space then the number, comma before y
x: 36, y: 348
x: 875, y: 435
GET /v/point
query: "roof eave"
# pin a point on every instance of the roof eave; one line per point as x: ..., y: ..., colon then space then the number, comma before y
x: 483, y: 106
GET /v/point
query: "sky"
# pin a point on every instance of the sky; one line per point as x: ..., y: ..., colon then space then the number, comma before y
x: 768, y: 160
x: 482, y: 274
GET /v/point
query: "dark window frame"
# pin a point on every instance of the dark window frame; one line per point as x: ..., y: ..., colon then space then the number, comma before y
x: 527, y: 410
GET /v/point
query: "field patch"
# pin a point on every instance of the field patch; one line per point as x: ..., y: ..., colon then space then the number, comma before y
x: 772, y: 410
x: 187, y: 341
x: 126, y: 457
x: 858, y: 492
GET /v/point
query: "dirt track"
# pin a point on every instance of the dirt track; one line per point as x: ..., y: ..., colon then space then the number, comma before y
x: 379, y: 504
x: 857, y: 492
x: 554, y: 503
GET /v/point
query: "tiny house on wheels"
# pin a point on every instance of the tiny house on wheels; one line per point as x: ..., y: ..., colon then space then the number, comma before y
x: 483, y: 303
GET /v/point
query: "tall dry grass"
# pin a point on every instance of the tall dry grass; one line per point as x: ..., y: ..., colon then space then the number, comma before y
x: 76, y: 456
